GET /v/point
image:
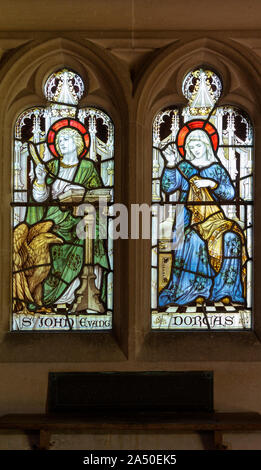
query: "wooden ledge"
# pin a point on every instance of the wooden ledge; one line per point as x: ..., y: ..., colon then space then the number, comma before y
x: 215, y: 423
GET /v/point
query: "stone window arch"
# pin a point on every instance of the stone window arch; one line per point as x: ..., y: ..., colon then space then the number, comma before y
x: 22, y: 91
x: 159, y: 88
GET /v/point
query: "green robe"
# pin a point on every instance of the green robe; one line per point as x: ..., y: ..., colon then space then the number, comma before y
x: 68, y: 259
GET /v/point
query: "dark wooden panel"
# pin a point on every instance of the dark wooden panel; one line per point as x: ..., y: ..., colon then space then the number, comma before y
x: 112, y: 392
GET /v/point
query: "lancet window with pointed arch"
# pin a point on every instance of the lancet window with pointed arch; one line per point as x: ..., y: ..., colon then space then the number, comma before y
x: 202, y: 196
x: 63, y: 180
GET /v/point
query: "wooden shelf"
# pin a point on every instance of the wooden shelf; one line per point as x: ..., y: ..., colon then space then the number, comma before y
x: 214, y: 423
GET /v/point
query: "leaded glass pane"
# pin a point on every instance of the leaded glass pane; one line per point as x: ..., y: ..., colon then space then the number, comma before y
x: 63, y: 178
x: 202, y: 194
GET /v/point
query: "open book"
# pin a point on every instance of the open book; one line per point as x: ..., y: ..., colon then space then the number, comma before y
x: 81, y: 195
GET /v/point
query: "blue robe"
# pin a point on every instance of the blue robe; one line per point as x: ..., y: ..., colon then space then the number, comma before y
x: 192, y: 275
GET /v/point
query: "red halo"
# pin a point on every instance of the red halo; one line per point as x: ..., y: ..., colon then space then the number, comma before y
x: 193, y: 125
x: 72, y: 124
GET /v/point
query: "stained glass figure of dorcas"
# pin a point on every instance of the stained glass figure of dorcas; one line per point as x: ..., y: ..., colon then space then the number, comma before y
x: 202, y: 176
x: 56, y: 271
x: 211, y: 263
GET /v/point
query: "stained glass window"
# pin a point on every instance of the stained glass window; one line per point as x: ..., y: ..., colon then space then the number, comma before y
x: 63, y: 177
x: 202, y: 197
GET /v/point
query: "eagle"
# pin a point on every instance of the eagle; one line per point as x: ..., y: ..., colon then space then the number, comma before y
x: 32, y: 263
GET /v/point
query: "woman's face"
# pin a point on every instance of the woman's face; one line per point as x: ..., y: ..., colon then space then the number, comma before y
x: 197, y: 148
x: 66, y: 143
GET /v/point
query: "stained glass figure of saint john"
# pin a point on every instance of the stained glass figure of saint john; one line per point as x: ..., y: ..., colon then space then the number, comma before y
x: 203, y: 167
x: 63, y: 159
